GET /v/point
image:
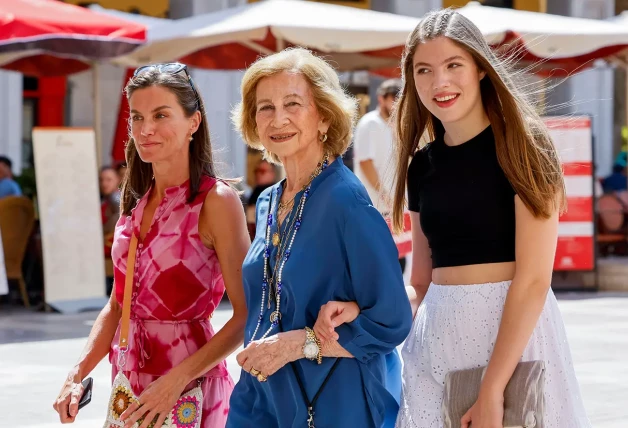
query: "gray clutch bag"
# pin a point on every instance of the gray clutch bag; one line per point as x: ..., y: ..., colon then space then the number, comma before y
x: 523, y: 396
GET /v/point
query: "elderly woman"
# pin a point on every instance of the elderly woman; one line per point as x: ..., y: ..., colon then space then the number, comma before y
x: 318, y: 239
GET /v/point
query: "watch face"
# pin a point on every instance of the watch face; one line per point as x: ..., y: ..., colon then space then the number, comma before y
x: 310, y: 350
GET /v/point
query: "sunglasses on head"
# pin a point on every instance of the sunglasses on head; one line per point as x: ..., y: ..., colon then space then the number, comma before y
x: 169, y: 68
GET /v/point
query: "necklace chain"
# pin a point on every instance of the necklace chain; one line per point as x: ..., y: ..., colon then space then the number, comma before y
x: 287, y: 205
x: 275, y: 282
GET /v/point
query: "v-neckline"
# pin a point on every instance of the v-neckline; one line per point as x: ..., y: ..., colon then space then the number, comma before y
x: 170, y: 194
x: 277, y: 191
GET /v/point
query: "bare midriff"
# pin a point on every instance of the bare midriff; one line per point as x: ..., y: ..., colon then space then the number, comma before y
x: 474, y: 274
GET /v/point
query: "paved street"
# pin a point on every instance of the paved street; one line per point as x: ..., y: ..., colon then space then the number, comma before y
x: 36, y: 351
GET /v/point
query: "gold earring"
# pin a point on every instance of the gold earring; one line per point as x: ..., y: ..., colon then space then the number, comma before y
x: 323, y: 137
x: 191, y: 138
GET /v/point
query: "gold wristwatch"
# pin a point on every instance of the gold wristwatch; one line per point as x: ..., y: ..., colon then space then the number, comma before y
x: 312, y: 347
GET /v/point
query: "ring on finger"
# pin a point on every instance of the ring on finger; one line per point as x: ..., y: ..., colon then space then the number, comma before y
x: 261, y: 377
x: 254, y: 371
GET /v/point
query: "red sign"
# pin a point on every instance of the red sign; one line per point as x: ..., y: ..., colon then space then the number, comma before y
x: 572, y: 137
x: 403, y: 239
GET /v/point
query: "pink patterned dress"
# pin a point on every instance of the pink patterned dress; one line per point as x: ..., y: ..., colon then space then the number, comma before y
x: 178, y: 284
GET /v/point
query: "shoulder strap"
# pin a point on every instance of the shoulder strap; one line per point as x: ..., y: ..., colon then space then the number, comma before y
x: 128, y: 290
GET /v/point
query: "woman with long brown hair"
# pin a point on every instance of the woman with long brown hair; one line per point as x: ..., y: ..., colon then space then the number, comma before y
x: 485, y: 196
x: 179, y: 243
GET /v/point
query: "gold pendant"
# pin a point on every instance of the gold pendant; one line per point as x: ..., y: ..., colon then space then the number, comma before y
x: 275, y: 316
x: 276, y: 239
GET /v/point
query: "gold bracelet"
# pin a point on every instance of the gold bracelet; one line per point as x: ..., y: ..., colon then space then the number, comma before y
x: 312, y: 336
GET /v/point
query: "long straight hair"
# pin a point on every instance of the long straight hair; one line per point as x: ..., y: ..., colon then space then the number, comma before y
x: 524, y: 149
x: 139, y: 174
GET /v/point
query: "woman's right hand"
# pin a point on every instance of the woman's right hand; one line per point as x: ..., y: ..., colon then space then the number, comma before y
x: 331, y: 315
x: 66, y: 403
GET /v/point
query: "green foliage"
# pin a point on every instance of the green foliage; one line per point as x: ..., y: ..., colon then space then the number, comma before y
x: 27, y: 182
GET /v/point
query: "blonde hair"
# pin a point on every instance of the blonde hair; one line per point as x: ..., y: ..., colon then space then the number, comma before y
x: 525, y: 151
x: 334, y: 104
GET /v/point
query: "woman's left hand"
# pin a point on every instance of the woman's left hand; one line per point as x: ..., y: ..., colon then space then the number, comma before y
x: 270, y: 354
x: 157, y: 400
x: 487, y: 412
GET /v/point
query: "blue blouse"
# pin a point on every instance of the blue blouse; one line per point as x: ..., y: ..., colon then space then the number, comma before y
x: 343, y: 251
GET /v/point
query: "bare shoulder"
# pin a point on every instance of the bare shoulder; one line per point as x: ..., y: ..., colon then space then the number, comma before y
x: 222, y: 195
x: 222, y: 211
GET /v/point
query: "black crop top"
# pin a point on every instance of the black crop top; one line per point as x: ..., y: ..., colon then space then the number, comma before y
x: 466, y: 202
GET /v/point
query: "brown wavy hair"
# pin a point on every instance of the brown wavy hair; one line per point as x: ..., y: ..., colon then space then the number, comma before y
x: 525, y: 151
x: 334, y: 104
x: 139, y: 174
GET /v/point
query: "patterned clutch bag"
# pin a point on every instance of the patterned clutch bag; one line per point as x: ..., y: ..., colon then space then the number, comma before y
x: 188, y: 410
x: 185, y: 414
x: 523, y: 396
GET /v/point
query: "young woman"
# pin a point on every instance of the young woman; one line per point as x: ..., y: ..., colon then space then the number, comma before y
x: 485, y: 197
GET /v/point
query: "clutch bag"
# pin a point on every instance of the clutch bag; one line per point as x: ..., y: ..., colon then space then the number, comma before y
x: 523, y: 396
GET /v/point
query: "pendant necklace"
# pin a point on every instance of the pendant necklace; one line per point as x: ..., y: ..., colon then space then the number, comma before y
x: 291, y: 232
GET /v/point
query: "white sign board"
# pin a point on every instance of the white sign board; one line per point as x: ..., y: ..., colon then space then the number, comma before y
x: 70, y: 218
x: 4, y: 285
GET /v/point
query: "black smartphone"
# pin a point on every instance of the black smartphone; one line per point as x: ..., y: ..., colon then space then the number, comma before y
x: 88, y: 384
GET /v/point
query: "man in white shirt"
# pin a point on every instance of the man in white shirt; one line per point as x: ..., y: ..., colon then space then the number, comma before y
x: 373, y: 149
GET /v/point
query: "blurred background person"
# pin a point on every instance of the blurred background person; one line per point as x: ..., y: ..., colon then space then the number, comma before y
x: 617, y: 181
x: 121, y: 170
x: 109, y: 181
x: 266, y: 174
x: 373, y: 149
x: 8, y: 185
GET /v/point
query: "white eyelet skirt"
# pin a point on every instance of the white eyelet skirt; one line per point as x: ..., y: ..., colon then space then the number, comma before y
x: 455, y: 328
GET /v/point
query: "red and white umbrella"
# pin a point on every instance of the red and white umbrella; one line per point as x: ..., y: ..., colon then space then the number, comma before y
x: 559, y: 44
x: 353, y: 39
x: 52, y: 38
x: 553, y: 44
x: 49, y: 37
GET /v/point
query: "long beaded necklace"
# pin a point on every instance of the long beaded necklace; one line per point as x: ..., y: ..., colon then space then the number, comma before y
x: 266, y: 282
x: 289, y: 225
x: 287, y: 206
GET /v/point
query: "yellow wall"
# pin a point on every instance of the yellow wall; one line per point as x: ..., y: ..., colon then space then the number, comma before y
x: 363, y: 4
x: 454, y: 3
x: 531, y: 5
x: 157, y: 8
